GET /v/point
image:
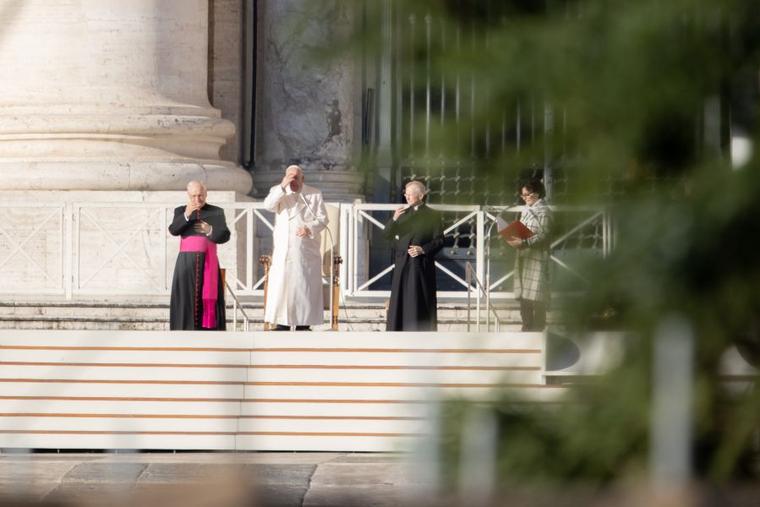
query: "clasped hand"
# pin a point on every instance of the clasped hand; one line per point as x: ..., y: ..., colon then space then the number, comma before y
x: 302, y: 232
x: 202, y: 227
x: 415, y: 250
x: 191, y: 210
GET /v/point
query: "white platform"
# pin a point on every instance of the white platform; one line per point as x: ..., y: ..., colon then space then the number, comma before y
x: 321, y: 391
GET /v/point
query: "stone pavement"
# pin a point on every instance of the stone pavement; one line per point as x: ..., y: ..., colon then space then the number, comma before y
x: 293, y: 479
x: 201, y: 479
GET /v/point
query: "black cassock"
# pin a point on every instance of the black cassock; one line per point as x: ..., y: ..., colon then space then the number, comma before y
x: 185, y: 308
x: 413, y: 299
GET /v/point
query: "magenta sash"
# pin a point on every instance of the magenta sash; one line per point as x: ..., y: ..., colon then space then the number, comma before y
x: 210, y: 275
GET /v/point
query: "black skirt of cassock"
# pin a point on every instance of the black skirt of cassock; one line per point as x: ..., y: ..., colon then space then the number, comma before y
x: 413, y: 304
x: 182, y: 308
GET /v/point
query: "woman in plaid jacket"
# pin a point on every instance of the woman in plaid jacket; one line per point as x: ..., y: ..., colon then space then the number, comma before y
x: 531, y: 286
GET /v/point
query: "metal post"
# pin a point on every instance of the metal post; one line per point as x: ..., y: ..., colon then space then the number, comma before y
x: 477, y: 467
x: 477, y: 310
x: 488, y: 310
x: 548, y: 139
x: 670, y: 454
x: 428, y: 22
x: 343, y: 248
x: 249, y: 247
x: 354, y: 248
x: 234, y: 314
x: 480, y: 244
x: 468, y: 279
x: 487, y: 259
x: 412, y: 71
x: 331, y: 279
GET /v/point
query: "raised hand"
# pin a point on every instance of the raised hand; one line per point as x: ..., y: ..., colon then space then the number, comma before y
x: 399, y: 211
x: 287, y: 179
x: 191, y: 208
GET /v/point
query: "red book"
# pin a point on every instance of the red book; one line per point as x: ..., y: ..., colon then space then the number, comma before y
x: 516, y: 229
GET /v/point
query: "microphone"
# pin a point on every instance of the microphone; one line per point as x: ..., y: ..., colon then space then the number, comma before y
x: 308, y: 206
x: 332, y: 248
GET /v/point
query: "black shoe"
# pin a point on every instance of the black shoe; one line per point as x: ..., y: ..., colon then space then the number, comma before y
x: 280, y: 327
x: 303, y: 328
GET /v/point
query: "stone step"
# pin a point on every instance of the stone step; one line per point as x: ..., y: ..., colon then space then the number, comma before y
x: 155, y: 316
x: 160, y: 311
x: 162, y: 325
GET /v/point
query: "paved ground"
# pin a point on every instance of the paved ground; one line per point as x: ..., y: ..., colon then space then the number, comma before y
x: 292, y: 479
x: 200, y: 479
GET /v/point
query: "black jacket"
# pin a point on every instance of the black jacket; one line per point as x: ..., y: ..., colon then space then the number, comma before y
x: 212, y: 215
x: 413, y: 288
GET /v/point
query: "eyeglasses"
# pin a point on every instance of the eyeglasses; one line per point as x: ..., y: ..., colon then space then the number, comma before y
x: 527, y: 195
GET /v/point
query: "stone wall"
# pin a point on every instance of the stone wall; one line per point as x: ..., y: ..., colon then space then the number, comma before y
x: 307, y: 98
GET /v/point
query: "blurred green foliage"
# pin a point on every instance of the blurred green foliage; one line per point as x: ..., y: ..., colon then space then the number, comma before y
x: 652, y: 92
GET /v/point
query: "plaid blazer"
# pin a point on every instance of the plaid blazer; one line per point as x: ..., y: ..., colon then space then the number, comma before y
x: 532, y: 261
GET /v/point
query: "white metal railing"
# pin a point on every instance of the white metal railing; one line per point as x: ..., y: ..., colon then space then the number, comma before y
x: 81, y: 250
x: 235, y: 307
x: 360, y: 218
x: 586, y: 216
x: 481, y: 292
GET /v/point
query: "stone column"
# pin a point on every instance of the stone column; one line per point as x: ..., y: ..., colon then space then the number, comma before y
x: 307, y: 107
x: 227, y: 39
x: 109, y: 95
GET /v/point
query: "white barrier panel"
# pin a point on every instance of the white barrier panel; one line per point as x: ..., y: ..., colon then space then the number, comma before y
x: 249, y: 391
x: 83, y: 250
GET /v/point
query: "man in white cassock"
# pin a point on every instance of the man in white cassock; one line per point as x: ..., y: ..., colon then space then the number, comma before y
x: 294, y: 297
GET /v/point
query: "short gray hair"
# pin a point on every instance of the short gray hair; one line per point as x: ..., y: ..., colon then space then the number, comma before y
x: 196, y: 182
x: 420, y: 187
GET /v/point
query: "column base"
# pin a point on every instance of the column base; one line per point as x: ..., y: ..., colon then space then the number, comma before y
x: 122, y: 175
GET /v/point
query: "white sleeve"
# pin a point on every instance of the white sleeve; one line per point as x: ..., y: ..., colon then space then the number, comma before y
x: 318, y: 222
x: 273, y: 198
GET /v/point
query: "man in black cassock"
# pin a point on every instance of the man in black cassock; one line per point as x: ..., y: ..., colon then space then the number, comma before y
x: 197, y: 300
x: 417, y: 231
